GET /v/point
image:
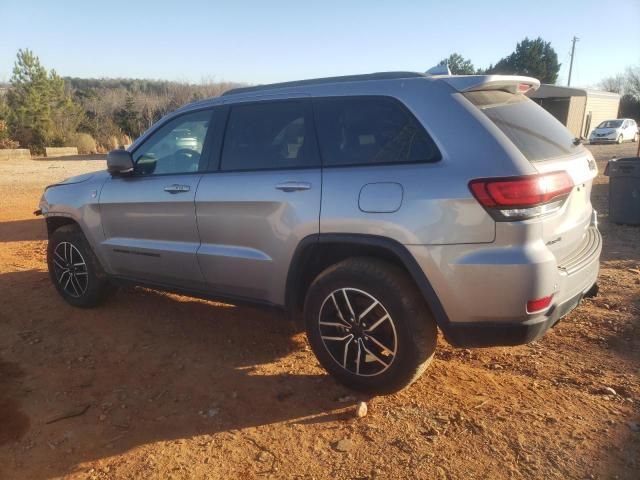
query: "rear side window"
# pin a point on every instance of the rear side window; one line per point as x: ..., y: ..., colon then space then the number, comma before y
x: 370, y: 130
x: 533, y: 130
x: 269, y: 135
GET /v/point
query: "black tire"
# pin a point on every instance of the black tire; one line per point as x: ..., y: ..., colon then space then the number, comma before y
x: 89, y: 285
x: 410, y: 330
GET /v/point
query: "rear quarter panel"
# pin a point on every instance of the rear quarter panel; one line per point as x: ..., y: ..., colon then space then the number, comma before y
x: 437, y: 206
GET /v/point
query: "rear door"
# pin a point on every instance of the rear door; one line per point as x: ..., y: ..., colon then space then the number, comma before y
x: 261, y: 200
x: 549, y: 147
x: 149, y: 217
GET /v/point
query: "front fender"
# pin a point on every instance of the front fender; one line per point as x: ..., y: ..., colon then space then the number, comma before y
x: 79, y: 201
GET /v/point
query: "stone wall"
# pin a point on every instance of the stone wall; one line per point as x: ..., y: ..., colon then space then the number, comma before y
x: 15, y: 154
x: 60, y: 151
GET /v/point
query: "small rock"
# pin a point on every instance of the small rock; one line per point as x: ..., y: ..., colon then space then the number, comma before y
x: 212, y: 412
x: 441, y: 472
x: 361, y: 410
x: 432, y: 432
x: 344, y: 445
x: 102, y: 417
x: 264, y: 456
x: 443, y: 419
x: 608, y: 391
x: 634, y: 426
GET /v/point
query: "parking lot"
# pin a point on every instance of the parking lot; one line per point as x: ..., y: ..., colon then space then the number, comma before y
x: 153, y: 384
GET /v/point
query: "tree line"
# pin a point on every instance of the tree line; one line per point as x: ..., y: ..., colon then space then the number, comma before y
x: 40, y: 108
x: 533, y: 58
x: 626, y: 84
x: 537, y: 58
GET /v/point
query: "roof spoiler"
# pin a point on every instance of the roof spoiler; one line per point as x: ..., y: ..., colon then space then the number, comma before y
x: 508, y: 83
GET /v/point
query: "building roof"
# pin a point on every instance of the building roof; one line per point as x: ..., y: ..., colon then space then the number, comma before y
x: 550, y: 91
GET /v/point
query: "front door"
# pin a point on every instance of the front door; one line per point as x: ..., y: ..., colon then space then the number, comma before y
x: 263, y: 200
x: 149, y: 217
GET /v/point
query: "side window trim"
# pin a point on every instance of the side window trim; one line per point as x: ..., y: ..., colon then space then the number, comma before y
x: 216, y: 166
x: 396, y: 101
x: 216, y: 141
x: 205, y: 159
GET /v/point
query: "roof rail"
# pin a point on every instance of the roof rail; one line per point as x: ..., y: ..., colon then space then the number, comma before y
x: 322, y: 81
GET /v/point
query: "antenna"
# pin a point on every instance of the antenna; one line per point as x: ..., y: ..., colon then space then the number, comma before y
x: 573, y: 52
x: 439, y: 70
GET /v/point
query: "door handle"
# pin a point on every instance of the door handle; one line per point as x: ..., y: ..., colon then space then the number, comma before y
x: 175, y: 188
x: 293, y: 186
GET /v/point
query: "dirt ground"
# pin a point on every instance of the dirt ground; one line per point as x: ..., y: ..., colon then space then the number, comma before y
x: 164, y: 386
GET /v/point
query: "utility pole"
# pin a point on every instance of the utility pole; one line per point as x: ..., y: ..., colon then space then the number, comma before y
x: 573, y: 52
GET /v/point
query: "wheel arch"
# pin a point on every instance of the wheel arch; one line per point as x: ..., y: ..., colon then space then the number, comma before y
x: 54, y: 222
x: 317, y: 252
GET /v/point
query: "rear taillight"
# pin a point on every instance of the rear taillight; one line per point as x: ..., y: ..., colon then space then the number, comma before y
x: 520, y: 198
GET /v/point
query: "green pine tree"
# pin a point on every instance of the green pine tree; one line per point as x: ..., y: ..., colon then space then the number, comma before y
x: 42, y: 112
x: 458, y: 65
x: 532, y: 58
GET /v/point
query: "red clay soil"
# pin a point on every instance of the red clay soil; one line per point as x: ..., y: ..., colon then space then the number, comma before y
x: 152, y: 385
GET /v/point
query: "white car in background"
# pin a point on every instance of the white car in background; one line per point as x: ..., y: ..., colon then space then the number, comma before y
x: 615, y: 131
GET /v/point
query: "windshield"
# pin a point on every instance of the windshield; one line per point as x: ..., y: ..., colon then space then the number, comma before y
x: 533, y: 130
x: 610, y: 124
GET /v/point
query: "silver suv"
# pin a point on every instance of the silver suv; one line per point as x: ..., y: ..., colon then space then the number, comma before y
x: 378, y: 207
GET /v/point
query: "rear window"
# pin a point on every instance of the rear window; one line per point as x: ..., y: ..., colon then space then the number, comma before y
x: 370, y: 130
x: 533, y: 130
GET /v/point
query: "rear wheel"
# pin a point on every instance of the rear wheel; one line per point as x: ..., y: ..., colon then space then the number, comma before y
x: 369, y: 326
x: 74, y: 269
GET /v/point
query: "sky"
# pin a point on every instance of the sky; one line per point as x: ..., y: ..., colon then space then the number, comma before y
x: 280, y: 40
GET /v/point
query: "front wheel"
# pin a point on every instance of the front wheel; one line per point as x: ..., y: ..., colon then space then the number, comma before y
x: 619, y: 141
x: 369, y: 326
x: 74, y: 269
x: 635, y: 137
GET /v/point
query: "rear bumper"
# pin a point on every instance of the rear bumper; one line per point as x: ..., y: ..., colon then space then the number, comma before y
x: 508, y: 334
x: 484, y: 299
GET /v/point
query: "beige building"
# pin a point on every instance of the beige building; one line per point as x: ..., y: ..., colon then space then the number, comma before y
x: 581, y: 110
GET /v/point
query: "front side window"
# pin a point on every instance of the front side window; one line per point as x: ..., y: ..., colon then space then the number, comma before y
x: 370, y: 130
x: 269, y: 135
x: 176, y: 147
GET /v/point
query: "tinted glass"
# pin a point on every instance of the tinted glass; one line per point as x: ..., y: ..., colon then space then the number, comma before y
x: 370, y: 130
x: 533, y: 130
x: 176, y: 147
x: 269, y: 135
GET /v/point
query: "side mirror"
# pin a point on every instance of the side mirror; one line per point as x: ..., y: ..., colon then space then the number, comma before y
x: 119, y: 162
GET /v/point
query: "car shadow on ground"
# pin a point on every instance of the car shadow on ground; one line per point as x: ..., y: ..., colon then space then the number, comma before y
x: 149, y: 367
x: 23, y: 230
x: 91, y: 156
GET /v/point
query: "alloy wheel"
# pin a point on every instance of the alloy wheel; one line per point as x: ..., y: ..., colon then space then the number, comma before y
x: 358, y: 332
x: 70, y: 269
